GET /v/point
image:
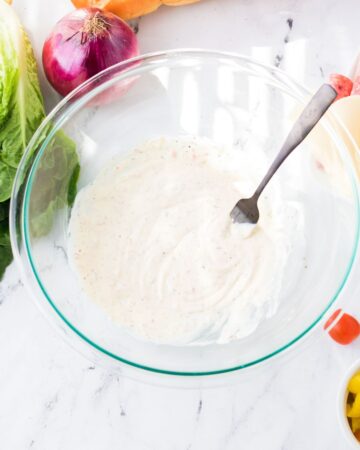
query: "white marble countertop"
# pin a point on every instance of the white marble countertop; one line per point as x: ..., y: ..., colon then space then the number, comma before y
x: 53, y: 399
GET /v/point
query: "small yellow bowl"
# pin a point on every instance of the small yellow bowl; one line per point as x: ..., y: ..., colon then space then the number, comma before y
x: 342, y: 400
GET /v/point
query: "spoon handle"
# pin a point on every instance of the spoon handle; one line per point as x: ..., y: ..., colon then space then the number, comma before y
x: 310, y: 116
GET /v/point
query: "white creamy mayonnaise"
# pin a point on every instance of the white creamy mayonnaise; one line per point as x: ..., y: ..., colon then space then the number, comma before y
x: 153, y: 244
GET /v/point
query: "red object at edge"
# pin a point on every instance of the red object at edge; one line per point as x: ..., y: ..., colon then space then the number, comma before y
x: 342, y: 85
x: 345, y: 330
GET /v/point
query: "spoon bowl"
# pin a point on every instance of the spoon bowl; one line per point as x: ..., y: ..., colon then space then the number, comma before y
x: 246, y: 210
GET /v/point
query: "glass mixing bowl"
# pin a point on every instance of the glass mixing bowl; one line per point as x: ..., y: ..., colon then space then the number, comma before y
x: 232, y: 100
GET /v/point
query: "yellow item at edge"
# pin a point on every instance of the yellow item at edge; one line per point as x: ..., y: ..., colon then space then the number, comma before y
x: 354, y: 409
x: 354, y: 384
x: 355, y: 424
x: 128, y: 9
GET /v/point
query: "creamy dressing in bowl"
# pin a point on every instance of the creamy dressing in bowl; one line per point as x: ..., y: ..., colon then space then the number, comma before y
x: 152, y: 242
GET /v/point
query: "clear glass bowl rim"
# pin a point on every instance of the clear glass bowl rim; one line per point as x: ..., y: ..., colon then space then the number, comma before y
x: 79, y: 97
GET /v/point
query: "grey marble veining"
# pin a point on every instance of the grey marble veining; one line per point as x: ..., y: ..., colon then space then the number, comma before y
x: 53, y: 398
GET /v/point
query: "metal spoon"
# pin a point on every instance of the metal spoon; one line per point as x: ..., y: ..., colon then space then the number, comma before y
x: 246, y: 210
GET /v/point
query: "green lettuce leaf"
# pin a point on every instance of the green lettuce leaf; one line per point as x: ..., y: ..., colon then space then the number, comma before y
x: 21, y: 113
x: 5, y: 258
x: 7, y: 175
x: 4, y: 210
x: 21, y: 103
x: 4, y: 233
x: 5, y: 247
x: 55, y: 183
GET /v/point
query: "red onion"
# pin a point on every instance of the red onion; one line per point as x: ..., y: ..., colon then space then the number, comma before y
x: 83, y: 43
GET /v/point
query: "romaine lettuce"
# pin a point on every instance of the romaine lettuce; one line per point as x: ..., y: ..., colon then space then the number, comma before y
x: 21, y: 112
x: 21, y: 103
